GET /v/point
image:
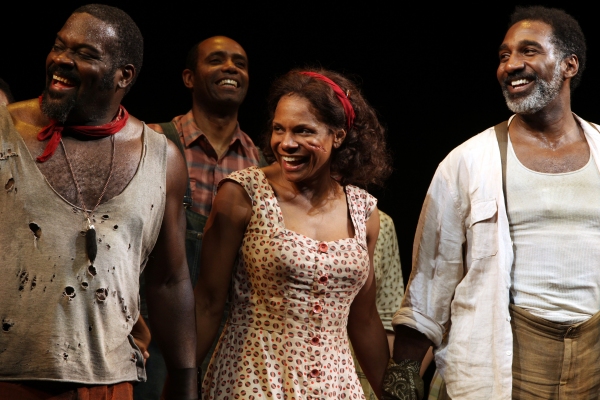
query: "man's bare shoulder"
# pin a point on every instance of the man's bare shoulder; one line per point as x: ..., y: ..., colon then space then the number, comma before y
x: 27, y: 117
x: 175, y: 158
x: 177, y: 174
x: 156, y: 128
x: 133, y: 129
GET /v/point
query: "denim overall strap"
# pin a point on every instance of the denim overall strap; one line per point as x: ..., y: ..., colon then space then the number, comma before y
x: 194, y: 222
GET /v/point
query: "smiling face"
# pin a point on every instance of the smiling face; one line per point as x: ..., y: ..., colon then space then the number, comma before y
x: 80, y: 77
x: 221, y: 75
x: 302, y: 144
x: 530, y: 70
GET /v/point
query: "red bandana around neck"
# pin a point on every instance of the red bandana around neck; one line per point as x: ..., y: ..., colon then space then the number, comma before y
x: 54, y: 131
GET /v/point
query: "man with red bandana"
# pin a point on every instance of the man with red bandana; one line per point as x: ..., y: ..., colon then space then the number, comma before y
x: 506, y: 279
x: 209, y: 136
x: 92, y: 197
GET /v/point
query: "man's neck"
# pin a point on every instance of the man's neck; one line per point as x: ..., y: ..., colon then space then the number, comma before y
x: 552, y: 125
x: 218, y: 127
x: 103, y: 118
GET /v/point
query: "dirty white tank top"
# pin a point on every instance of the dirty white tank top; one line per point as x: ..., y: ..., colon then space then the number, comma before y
x: 555, y: 228
x: 63, y: 320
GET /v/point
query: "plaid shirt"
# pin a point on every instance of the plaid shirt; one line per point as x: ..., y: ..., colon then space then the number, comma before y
x: 204, y: 169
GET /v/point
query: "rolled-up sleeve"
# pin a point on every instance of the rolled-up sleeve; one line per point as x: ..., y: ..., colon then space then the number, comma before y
x: 437, y: 261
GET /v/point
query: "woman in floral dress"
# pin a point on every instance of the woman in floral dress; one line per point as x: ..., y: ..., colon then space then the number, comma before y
x: 292, y: 245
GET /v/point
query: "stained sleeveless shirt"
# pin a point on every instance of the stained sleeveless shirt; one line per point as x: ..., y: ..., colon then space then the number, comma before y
x: 63, y: 319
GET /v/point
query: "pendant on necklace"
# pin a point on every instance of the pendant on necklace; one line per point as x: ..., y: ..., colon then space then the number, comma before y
x: 91, y: 246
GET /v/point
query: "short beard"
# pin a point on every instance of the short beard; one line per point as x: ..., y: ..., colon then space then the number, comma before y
x: 57, y: 109
x: 543, y: 93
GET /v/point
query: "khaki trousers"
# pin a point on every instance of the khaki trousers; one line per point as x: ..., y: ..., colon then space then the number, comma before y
x: 555, y: 361
x: 552, y: 361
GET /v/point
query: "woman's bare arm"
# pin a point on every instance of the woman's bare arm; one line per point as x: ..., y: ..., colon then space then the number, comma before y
x: 221, y: 242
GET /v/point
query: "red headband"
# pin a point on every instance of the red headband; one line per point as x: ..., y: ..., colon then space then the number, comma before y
x: 348, y: 109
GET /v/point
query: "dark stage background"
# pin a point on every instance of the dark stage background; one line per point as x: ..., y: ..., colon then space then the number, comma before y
x: 429, y: 70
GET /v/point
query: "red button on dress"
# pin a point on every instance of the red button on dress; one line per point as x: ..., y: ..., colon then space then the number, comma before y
x: 323, y: 247
x: 317, y: 309
x: 323, y: 279
x: 314, y: 373
x: 315, y: 340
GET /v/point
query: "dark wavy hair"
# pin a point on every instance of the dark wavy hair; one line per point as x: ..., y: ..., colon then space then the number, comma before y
x: 567, y: 34
x: 363, y: 158
x: 130, y: 42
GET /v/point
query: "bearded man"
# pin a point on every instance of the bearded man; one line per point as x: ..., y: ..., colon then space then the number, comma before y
x: 92, y: 197
x: 506, y: 277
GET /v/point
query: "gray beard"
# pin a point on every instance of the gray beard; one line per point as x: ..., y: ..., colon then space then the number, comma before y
x: 543, y: 93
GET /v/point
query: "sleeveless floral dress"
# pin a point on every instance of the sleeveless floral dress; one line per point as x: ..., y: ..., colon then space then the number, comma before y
x: 286, y: 335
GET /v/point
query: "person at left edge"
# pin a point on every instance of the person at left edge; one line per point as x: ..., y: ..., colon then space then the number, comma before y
x: 6, y: 96
x: 92, y: 197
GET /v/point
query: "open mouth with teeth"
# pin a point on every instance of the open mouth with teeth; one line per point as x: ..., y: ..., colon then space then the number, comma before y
x: 228, y: 82
x: 61, y: 83
x: 517, y: 83
x: 291, y: 162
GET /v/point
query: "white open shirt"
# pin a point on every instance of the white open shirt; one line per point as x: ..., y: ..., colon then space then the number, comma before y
x: 462, y: 258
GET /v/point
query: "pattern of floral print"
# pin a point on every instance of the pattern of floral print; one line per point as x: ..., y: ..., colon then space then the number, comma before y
x: 286, y: 336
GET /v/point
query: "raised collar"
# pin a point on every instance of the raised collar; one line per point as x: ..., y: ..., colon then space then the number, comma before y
x: 191, y: 132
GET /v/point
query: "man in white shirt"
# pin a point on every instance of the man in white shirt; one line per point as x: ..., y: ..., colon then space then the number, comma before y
x: 505, y: 282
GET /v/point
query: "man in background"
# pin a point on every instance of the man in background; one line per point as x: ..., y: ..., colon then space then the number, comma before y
x: 209, y: 136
